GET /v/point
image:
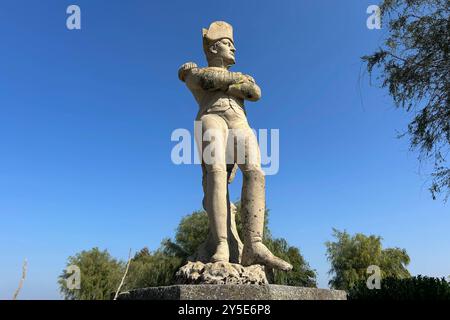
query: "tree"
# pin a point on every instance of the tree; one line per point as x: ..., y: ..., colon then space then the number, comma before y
x: 411, y: 289
x: 193, y: 230
x: 301, y: 274
x: 149, y: 269
x: 351, y: 255
x: 415, y: 67
x: 100, y: 276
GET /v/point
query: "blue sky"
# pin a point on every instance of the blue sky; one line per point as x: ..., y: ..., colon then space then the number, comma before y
x: 86, y: 118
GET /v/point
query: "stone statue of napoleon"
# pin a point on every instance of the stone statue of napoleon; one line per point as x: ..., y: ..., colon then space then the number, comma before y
x: 220, y: 94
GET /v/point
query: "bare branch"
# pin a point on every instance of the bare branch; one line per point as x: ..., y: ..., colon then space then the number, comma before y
x: 124, y: 276
x: 24, y: 275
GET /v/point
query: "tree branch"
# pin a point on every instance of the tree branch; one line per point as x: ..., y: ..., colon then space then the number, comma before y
x: 124, y: 275
x: 24, y: 275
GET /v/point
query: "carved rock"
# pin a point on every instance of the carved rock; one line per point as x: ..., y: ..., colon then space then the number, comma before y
x: 220, y: 273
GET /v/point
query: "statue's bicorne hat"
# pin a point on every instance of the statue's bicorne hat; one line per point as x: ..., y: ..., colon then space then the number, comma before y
x: 217, y: 30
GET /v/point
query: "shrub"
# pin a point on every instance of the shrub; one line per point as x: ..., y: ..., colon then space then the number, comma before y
x: 413, y: 288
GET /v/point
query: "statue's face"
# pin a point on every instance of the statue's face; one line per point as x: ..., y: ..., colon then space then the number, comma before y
x: 225, y: 50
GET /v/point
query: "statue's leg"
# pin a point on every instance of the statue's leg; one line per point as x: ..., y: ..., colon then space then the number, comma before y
x: 235, y: 245
x: 253, y: 205
x: 214, y: 130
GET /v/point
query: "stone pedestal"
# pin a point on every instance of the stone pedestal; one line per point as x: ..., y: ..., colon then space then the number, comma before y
x: 232, y: 292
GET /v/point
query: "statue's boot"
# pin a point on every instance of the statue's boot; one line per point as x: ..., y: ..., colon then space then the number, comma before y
x: 253, y: 210
x: 217, y: 211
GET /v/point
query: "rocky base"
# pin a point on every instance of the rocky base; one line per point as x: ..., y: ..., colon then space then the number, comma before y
x: 232, y: 292
x: 220, y: 273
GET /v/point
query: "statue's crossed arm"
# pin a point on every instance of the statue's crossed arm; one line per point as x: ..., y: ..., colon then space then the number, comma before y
x: 211, y: 79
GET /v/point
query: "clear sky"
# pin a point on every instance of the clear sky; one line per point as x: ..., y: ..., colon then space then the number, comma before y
x: 86, y: 118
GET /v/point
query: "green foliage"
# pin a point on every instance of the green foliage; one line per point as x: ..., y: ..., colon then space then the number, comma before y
x: 100, y: 276
x: 152, y: 269
x: 301, y: 274
x: 414, y: 64
x: 351, y: 255
x: 414, y: 288
x: 193, y: 230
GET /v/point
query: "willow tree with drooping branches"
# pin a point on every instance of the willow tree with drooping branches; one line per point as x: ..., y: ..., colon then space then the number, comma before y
x: 413, y: 64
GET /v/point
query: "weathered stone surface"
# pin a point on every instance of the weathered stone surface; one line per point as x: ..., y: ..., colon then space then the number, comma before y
x: 220, y: 94
x: 232, y: 292
x: 220, y: 273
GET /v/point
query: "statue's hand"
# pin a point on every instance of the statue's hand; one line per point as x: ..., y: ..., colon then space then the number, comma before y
x: 244, y: 87
x: 185, y: 68
x: 243, y: 78
x: 246, y: 91
x: 240, y: 78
